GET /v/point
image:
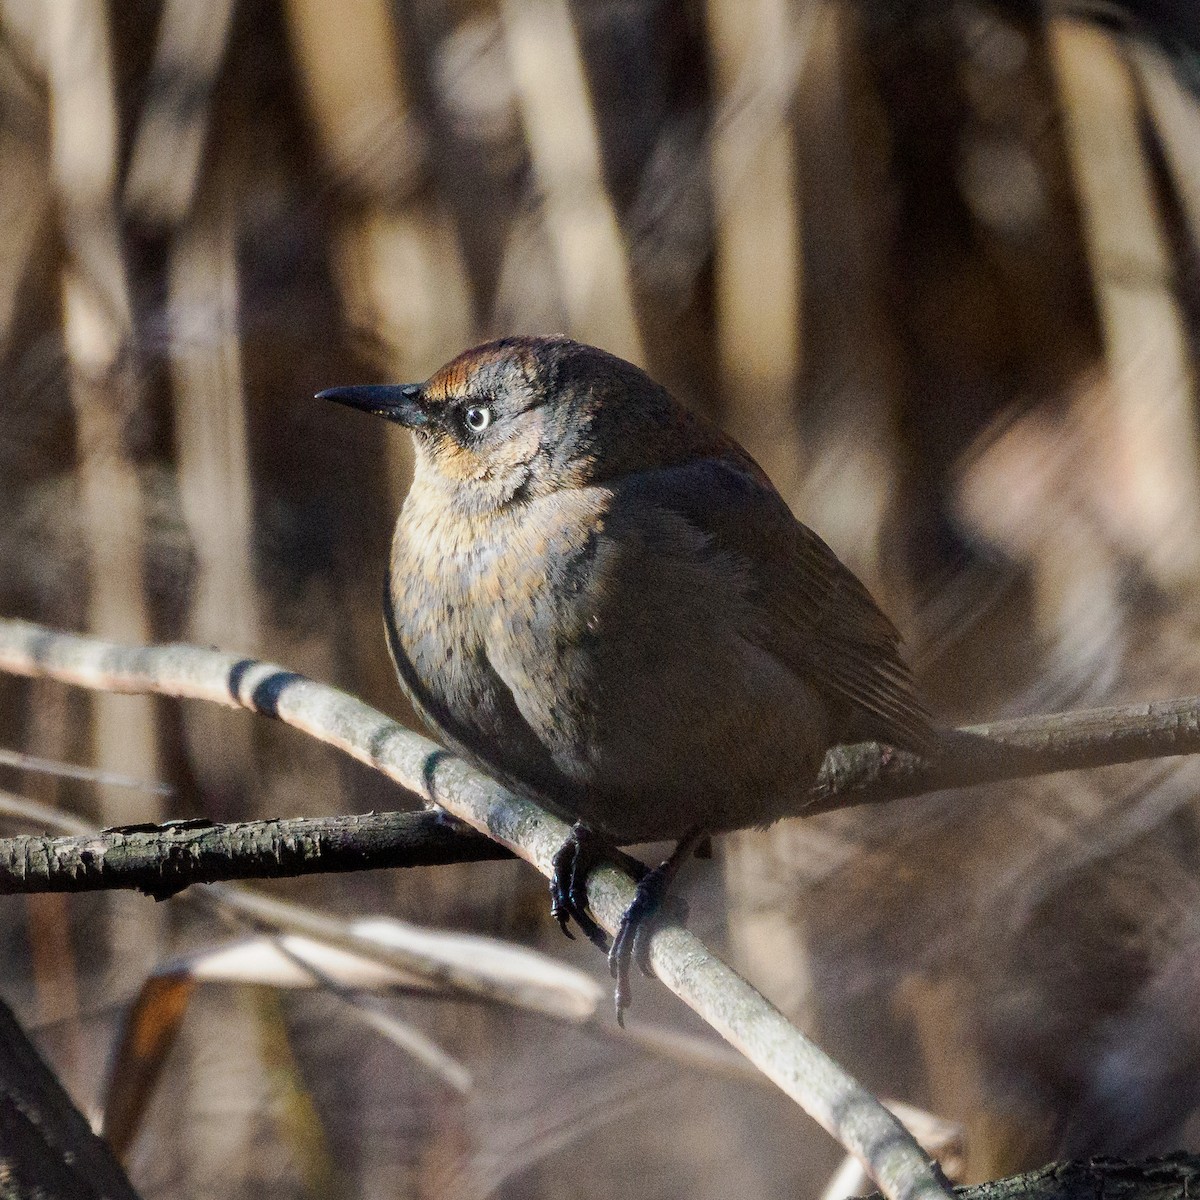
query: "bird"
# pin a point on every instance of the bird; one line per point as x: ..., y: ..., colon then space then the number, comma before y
x: 598, y: 598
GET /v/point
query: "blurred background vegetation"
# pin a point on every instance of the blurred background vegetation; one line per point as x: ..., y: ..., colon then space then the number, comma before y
x: 935, y: 264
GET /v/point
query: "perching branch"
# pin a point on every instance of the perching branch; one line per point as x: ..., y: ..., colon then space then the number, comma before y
x: 161, y: 861
x: 726, y: 1001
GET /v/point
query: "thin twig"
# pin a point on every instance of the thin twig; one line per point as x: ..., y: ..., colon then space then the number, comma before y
x: 50, y: 766
x: 726, y: 1001
x: 23, y: 811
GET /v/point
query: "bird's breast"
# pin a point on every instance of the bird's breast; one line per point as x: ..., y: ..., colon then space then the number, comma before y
x: 467, y: 591
x: 443, y: 572
x: 459, y: 570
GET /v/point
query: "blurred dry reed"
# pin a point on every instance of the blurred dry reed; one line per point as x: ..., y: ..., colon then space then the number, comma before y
x: 936, y: 265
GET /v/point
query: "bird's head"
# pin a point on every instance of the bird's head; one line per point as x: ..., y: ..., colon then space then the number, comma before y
x: 525, y: 416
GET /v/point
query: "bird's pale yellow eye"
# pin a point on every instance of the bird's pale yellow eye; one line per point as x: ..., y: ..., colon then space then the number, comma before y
x: 477, y: 417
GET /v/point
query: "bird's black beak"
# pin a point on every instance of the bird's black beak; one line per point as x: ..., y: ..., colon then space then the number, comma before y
x: 399, y: 402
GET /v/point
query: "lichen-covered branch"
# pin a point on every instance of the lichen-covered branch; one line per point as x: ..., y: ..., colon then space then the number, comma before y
x: 726, y: 1001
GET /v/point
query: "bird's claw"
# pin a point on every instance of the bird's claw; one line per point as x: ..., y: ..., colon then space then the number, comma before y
x: 651, y: 904
x: 568, y: 885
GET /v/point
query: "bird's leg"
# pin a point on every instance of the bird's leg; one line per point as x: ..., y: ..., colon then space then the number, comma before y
x: 632, y: 942
x: 568, y: 884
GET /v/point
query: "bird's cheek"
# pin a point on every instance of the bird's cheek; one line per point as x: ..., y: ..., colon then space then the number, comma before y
x: 454, y: 463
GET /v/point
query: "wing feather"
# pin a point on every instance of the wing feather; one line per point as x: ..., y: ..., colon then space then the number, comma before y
x: 813, y: 614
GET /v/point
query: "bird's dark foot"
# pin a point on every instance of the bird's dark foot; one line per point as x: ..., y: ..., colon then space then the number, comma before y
x: 568, y: 885
x: 651, y: 904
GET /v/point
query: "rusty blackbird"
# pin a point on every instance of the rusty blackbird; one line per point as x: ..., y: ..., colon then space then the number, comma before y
x: 599, y: 598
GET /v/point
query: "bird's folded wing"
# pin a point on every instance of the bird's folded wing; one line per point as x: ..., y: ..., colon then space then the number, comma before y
x: 810, y: 611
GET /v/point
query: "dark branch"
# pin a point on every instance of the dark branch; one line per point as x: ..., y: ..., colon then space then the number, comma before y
x: 1016, y: 749
x: 1173, y: 1178
x: 163, y: 860
x: 47, y: 1149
